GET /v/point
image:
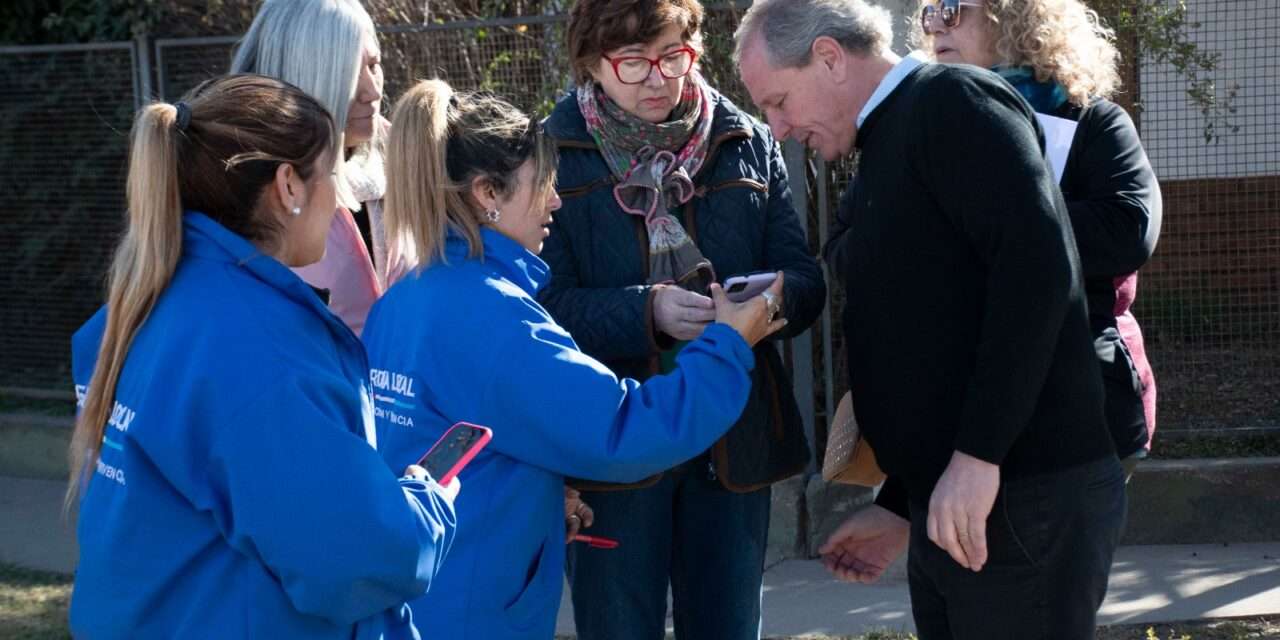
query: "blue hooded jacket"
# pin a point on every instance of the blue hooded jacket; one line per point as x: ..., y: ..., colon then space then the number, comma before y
x: 466, y: 341
x: 237, y: 494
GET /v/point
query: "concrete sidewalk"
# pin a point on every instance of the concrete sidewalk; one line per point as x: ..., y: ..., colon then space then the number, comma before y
x: 32, y: 531
x: 1148, y: 583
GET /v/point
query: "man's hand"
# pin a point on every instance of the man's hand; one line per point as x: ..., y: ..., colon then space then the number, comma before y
x: 959, y: 507
x: 682, y: 314
x: 865, y: 545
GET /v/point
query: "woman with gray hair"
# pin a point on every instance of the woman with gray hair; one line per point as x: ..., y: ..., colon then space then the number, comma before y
x: 329, y: 48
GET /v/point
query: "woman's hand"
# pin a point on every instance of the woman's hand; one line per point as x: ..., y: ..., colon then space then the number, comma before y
x: 754, y: 319
x: 681, y: 314
x: 449, y: 491
x: 577, y: 515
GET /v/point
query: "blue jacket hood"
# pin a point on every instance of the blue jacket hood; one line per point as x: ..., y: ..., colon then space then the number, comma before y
x: 204, y: 238
x: 516, y: 263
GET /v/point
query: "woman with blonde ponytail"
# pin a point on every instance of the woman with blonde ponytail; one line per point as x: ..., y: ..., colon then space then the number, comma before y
x: 222, y: 469
x: 470, y: 192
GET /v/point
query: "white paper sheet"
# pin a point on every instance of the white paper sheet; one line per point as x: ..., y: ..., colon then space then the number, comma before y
x: 1058, y: 134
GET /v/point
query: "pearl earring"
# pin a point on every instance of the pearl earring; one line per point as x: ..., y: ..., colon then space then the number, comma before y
x: 296, y: 211
x: 493, y: 216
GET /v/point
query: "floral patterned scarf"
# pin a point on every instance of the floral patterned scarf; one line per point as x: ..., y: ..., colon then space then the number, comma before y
x: 655, y: 165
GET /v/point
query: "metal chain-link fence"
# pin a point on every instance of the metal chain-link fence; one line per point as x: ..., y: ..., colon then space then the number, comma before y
x: 65, y: 114
x: 522, y: 58
x: 1209, y: 302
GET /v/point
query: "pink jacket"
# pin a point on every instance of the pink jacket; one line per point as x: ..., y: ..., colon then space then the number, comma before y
x: 1126, y: 289
x: 347, y: 271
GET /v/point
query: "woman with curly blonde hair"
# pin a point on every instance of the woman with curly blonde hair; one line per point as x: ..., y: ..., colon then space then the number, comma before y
x: 1059, y: 41
x: 1061, y: 57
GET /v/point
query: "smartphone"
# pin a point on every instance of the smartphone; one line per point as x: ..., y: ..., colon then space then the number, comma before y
x: 743, y: 288
x: 454, y: 450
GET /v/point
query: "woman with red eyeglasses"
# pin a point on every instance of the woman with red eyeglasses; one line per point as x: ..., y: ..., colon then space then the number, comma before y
x: 667, y: 186
x: 1062, y: 59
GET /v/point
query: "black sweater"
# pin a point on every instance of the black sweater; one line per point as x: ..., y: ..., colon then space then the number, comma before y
x: 965, y: 318
x: 1112, y: 197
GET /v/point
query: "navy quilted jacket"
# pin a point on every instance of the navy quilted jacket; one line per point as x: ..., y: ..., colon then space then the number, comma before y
x: 741, y: 219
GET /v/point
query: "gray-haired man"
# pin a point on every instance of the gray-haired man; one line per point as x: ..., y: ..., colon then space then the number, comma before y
x: 970, y: 359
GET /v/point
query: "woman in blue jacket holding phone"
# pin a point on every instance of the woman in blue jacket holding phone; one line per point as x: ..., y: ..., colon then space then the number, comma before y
x: 222, y: 464
x: 461, y: 338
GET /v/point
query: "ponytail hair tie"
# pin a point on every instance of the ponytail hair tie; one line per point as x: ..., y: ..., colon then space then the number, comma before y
x: 184, y: 116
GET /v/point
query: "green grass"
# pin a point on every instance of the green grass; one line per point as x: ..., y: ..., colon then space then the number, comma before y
x: 33, y: 604
x: 1259, y: 628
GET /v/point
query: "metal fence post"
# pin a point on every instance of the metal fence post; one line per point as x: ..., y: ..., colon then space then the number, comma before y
x: 823, y: 178
x: 142, y: 71
x: 802, y: 345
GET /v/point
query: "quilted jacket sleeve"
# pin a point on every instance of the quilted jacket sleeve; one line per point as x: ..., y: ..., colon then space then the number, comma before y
x: 805, y: 289
x: 608, y: 323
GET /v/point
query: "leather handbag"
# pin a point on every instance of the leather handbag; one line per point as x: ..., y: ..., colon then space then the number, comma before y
x: 849, y: 458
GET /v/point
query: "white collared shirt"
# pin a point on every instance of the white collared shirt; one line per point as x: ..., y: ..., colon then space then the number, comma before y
x: 891, y: 80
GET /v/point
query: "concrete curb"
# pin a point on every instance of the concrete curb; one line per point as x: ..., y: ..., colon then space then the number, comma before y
x: 37, y: 420
x: 1193, y: 501
x: 34, y: 445
x: 1202, y: 501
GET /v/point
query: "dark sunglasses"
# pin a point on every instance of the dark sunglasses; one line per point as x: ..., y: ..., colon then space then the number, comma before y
x: 948, y: 11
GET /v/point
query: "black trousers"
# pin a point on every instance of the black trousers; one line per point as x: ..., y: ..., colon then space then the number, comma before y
x: 1050, y: 541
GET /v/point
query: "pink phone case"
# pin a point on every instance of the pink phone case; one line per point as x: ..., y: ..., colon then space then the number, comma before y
x: 743, y: 288
x: 463, y: 434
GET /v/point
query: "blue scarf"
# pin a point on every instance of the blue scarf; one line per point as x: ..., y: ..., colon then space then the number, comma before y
x: 1044, y: 97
